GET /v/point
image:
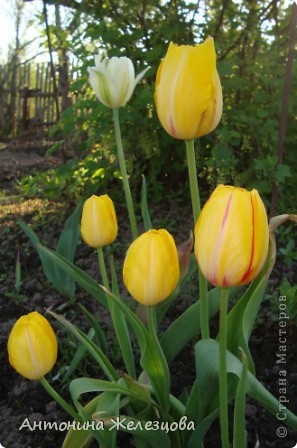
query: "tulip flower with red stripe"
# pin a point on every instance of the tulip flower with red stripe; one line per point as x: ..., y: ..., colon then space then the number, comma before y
x: 232, y: 236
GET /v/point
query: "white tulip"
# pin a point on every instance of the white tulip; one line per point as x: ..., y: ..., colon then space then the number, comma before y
x: 113, y: 80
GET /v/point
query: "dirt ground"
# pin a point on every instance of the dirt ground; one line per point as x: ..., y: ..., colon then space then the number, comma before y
x: 23, y: 401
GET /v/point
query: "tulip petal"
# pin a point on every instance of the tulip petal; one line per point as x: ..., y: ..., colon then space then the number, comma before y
x: 151, y: 267
x: 99, y: 222
x: 113, y: 80
x: 32, y: 346
x: 188, y: 93
x: 231, y: 236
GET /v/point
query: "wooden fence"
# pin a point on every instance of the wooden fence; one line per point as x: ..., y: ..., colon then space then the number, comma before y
x: 27, y: 96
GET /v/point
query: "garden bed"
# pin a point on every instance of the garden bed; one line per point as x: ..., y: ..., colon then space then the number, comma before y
x: 22, y: 399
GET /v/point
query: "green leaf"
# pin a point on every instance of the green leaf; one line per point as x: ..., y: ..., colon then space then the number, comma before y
x: 152, y: 358
x: 282, y: 172
x: 239, y: 434
x: 92, y: 348
x: 191, y: 411
x: 83, y: 279
x: 80, y: 353
x: 121, y: 327
x: 99, y: 333
x: 107, y: 403
x: 80, y: 438
x: 154, y: 438
x: 81, y: 386
x: 47, y: 264
x: 162, y: 307
x: 241, y: 319
x: 142, y: 392
x: 187, y: 326
x: 207, y: 366
x: 66, y: 247
x: 111, y: 392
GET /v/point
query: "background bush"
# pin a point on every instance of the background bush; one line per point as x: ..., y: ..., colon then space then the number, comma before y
x: 252, y: 40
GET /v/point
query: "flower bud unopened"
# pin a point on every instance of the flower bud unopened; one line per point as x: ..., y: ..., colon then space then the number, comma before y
x: 32, y: 346
x: 188, y: 93
x: 151, y: 267
x: 99, y: 222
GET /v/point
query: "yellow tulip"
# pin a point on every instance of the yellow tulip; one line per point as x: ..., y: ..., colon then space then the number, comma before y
x: 99, y: 225
x: 151, y: 267
x: 32, y: 346
x: 232, y: 236
x: 188, y: 94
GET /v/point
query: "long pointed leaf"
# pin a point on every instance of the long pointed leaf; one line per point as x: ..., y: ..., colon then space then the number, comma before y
x: 82, y: 279
x: 99, y: 333
x: 121, y: 327
x: 80, y: 386
x: 239, y: 433
x: 207, y: 365
x: 187, y: 326
x: 66, y: 247
x: 241, y: 319
x: 92, y: 348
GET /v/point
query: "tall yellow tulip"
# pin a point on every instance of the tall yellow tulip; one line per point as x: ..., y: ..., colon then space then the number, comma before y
x: 151, y: 267
x: 32, y: 346
x: 188, y: 94
x: 99, y: 222
x: 232, y: 236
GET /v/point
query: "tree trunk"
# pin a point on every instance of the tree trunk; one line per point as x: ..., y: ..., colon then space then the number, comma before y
x: 285, y: 103
x: 15, y: 64
x: 64, y: 82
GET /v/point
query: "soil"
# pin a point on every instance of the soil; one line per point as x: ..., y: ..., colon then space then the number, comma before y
x: 21, y: 401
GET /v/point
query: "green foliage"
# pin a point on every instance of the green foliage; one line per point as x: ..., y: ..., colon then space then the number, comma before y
x: 66, y: 247
x: 74, y: 179
x: 287, y: 246
x: 207, y: 356
x: 252, y: 44
x: 202, y: 406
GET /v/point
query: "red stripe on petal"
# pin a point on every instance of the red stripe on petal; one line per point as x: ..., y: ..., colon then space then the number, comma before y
x: 172, y: 128
x: 219, y: 242
x: 250, y: 268
x: 226, y: 211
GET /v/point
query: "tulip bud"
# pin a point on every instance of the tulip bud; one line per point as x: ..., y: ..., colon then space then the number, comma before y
x: 32, y: 346
x: 151, y: 267
x: 188, y: 92
x: 113, y: 80
x: 99, y: 225
x: 232, y: 236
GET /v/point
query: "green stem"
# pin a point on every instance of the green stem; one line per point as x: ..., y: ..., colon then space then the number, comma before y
x: 194, y: 189
x: 122, y: 163
x: 59, y: 399
x: 152, y: 321
x: 103, y: 268
x: 195, y: 198
x: 224, y: 423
